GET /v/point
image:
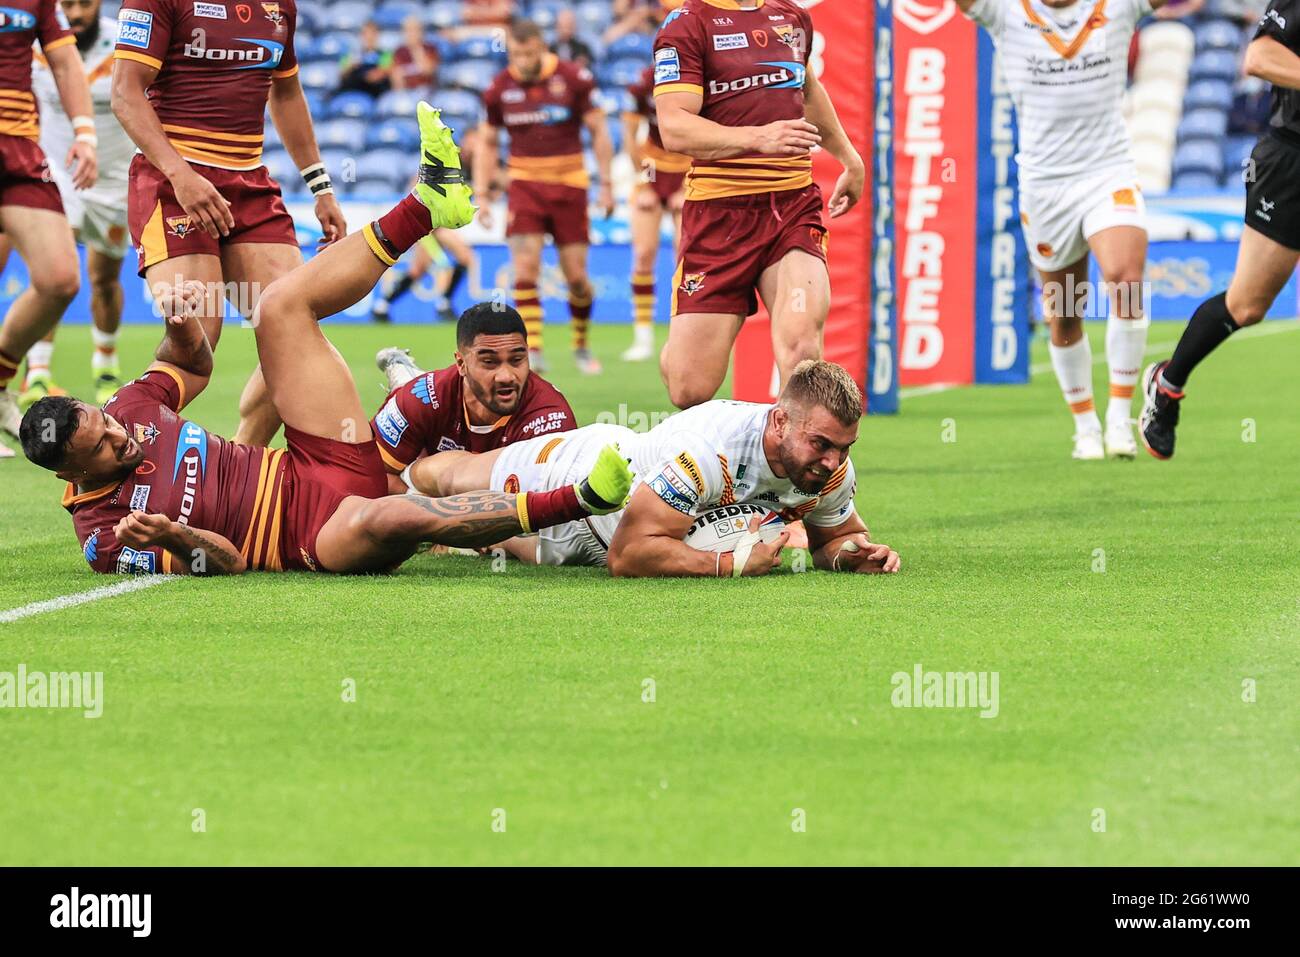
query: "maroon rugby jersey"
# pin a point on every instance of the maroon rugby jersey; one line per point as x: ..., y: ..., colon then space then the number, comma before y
x: 21, y: 23
x: 653, y: 148
x: 215, y: 61
x: 189, y: 475
x: 749, y: 67
x: 544, y: 120
x: 427, y: 415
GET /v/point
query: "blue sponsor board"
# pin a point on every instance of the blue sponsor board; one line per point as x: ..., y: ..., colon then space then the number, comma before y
x: 882, y: 342
x: 1001, y: 260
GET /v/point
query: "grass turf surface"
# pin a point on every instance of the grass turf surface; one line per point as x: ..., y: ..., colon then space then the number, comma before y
x: 522, y: 690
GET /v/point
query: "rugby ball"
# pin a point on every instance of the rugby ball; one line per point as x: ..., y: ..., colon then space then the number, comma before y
x: 721, y: 529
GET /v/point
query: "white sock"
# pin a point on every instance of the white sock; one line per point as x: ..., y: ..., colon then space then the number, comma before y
x: 38, y: 358
x: 1073, y: 365
x: 105, y: 356
x: 1126, y: 340
x: 643, y: 335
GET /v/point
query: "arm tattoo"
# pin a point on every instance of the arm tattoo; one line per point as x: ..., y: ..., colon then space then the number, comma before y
x: 218, y: 560
x: 472, y: 520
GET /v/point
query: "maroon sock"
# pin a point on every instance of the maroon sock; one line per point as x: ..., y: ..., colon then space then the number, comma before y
x: 544, y: 509
x: 404, y: 225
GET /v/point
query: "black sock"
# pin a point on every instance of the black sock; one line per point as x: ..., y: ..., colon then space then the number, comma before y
x: 1211, y: 323
x: 399, y: 288
x: 457, y: 277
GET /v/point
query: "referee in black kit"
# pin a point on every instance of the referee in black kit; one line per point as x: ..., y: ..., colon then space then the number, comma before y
x: 1270, y: 243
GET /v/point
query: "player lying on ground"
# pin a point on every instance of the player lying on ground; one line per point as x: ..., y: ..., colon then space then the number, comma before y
x: 791, y: 457
x: 150, y: 491
x: 488, y: 398
x: 1270, y: 243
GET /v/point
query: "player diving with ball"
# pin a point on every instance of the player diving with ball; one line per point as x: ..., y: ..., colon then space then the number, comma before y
x: 150, y: 491
x: 790, y: 458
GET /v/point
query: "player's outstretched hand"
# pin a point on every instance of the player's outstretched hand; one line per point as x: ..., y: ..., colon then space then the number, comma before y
x: 178, y: 303
x: 848, y: 190
x: 329, y: 213
x: 859, y: 555
x: 606, y: 200
x: 83, y: 164
x: 141, y: 530
x: 484, y: 216
x: 206, y: 207
x: 786, y: 138
x: 763, y: 556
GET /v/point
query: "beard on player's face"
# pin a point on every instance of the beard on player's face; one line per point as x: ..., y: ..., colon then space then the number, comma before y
x: 813, y: 444
x: 496, y: 370
x: 84, y: 21
x: 526, y: 58
x: 101, y: 450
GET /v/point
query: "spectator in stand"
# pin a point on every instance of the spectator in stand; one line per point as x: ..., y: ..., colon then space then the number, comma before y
x: 1179, y: 9
x: 637, y: 16
x: 369, y: 69
x: 568, y: 45
x: 484, y: 17
x: 415, y: 64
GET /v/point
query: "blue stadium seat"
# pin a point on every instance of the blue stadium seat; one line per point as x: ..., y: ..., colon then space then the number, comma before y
x: 632, y: 45
x: 1203, y: 124
x: 352, y: 103
x: 457, y: 101
x: 281, y: 167
x: 271, y: 136
x: 340, y: 163
x: 441, y: 14
x: 446, y: 49
x: 335, y: 46
x: 476, y: 75
x: 393, y: 12
x: 373, y: 186
x: 1219, y: 35
x: 594, y: 16
x: 385, y: 163
x: 311, y: 18
x: 304, y: 47
x: 316, y: 100
x: 460, y: 122
x: 1197, y: 182
x: 320, y: 76
x: 613, y: 99
x: 621, y: 72
x: 1198, y: 156
x: 1236, y: 151
x: 481, y: 48
x: 1208, y: 94
x: 341, y: 133
x: 398, y: 103
x: 543, y: 12
x: 348, y: 15
x: 1215, y: 65
x: 399, y: 133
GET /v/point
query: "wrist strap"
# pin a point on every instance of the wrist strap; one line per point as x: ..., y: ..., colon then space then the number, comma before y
x: 81, y: 122
x: 90, y: 138
x: 741, y: 556
x: 317, y: 178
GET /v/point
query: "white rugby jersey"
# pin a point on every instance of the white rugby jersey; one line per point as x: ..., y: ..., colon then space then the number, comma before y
x: 1066, y: 70
x: 712, y: 455
x: 115, y: 148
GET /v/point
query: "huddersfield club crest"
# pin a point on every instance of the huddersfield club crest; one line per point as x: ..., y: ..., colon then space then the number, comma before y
x: 692, y: 283
x: 146, y: 434
x: 272, y: 11
x: 180, y: 226
x: 785, y: 32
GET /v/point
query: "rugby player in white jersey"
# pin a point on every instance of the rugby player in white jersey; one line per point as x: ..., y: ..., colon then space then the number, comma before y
x: 98, y: 214
x: 1065, y: 63
x: 792, y: 457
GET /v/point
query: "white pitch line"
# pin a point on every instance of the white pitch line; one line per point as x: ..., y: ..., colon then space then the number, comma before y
x: 80, y: 598
x: 1038, y: 368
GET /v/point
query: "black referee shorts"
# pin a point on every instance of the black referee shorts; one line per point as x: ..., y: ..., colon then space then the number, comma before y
x: 1273, y: 192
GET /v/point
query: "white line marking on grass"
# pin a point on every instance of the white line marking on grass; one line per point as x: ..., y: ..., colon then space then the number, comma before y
x: 80, y: 598
x: 1273, y: 328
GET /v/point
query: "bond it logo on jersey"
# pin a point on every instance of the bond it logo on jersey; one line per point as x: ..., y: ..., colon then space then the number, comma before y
x: 12, y: 21
x: 192, y: 456
x: 786, y: 75
x: 263, y: 55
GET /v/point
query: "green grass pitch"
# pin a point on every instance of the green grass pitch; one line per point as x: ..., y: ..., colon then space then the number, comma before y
x: 522, y: 690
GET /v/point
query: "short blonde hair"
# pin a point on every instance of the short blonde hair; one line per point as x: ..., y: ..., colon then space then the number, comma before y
x: 816, y: 382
